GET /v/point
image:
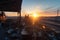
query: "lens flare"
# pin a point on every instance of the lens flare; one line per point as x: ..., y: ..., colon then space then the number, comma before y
x: 34, y: 18
x: 35, y: 15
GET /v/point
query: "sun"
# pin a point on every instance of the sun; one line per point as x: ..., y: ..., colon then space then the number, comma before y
x: 35, y: 15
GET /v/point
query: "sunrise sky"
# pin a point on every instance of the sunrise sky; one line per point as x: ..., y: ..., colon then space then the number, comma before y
x: 41, y: 7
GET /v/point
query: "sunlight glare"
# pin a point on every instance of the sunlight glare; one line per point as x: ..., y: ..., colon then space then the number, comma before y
x: 35, y: 15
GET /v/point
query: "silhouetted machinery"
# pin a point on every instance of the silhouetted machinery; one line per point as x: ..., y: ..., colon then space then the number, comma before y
x: 9, y: 6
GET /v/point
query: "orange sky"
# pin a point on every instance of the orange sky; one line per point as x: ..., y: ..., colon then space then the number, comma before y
x: 39, y: 7
x: 11, y: 13
x: 26, y: 13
